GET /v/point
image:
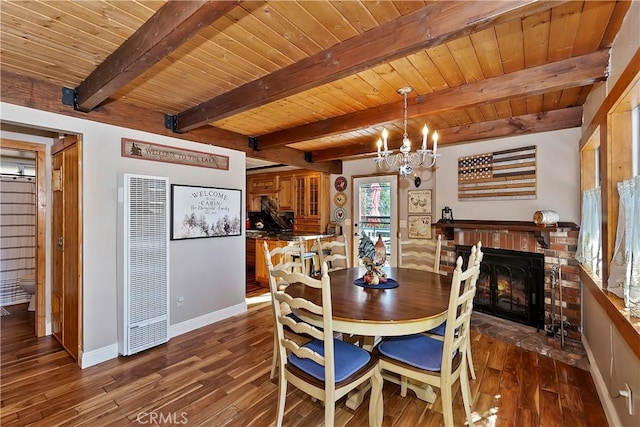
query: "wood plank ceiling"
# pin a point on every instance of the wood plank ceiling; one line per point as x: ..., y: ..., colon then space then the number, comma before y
x: 321, y: 77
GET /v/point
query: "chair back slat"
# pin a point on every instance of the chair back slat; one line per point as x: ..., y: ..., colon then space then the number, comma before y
x: 324, y: 334
x: 420, y: 254
x: 333, y: 252
x: 463, y: 288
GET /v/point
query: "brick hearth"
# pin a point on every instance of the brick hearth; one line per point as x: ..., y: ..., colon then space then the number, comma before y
x: 562, y: 244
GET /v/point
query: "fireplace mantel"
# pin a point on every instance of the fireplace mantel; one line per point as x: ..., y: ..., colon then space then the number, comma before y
x: 520, y: 226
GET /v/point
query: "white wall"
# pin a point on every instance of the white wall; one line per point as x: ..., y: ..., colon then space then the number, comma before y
x: 558, y: 176
x: 558, y: 181
x: 209, y: 273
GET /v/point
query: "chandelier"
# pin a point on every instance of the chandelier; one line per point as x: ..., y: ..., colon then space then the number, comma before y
x: 405, y: 158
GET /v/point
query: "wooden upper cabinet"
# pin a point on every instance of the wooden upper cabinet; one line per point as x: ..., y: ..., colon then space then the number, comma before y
x: 286, y: 196
x: 262, y: 183
x: 312, y: 202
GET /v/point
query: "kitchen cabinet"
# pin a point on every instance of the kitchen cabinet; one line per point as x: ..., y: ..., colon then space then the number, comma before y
x: 306, y: 193
x: 251, y: 254
x: 311, y: 202
x: 286, y: 195
x: 262, y: 183
x: 262, y: 274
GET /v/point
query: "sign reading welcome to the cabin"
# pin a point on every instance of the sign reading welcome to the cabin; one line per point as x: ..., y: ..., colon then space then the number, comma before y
x: 501, y: 175
x: 163, y: 153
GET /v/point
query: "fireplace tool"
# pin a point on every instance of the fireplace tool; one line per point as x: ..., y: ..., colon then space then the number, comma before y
x: 556, y: 327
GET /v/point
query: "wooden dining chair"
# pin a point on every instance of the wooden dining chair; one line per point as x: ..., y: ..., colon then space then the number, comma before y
x: 334, y: 252
x: 325, y: 368
x: 438, y: 332
x: 282, y: 258
x: 420, y: 254
x: 439, y: 363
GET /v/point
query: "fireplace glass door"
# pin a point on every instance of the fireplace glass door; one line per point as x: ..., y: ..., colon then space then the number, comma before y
x: 511, y: 285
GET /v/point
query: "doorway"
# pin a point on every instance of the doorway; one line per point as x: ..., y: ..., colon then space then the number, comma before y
x: 375, y: 214
x: 39, y: 154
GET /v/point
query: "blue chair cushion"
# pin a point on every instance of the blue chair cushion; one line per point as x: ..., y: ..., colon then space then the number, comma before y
x: 296, y: 318
x: 439, y: 330
x: 415, y: 350
x: 348, y: 359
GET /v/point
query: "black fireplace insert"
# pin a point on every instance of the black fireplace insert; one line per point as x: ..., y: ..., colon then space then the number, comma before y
x: 510, y: 286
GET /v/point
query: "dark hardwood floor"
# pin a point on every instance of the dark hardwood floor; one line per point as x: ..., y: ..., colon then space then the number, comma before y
x: 219, y: 376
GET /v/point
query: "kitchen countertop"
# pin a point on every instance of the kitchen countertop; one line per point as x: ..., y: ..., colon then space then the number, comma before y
x: 286, y: 236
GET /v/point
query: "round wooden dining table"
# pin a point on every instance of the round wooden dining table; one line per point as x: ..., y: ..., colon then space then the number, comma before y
x: 418, y: 304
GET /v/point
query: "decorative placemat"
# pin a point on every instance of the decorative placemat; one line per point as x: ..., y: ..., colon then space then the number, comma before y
x: 389, y: 284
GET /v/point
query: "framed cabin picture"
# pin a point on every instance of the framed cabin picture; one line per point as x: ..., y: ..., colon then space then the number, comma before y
x: 198, y: 212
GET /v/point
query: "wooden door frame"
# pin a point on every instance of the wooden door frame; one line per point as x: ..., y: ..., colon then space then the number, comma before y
x: 40, y: 151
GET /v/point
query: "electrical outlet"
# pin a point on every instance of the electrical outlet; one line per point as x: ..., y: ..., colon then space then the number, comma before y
x: 180, y: 301
x: 629, y: 395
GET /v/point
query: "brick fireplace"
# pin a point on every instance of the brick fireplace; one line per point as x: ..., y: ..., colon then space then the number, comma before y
x: 556, y: 243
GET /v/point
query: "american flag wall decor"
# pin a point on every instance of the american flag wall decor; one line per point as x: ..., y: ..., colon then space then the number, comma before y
x: 501, y: 175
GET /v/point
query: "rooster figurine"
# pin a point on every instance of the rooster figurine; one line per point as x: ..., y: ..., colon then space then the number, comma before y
x: 366, y: 252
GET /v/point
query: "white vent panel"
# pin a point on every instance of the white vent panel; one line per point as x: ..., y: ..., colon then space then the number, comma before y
x: 145, y: 272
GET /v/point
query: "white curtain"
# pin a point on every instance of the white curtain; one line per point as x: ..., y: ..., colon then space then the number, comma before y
x: 18, y: 237
x: 624, y: 279
x: 589, y: 251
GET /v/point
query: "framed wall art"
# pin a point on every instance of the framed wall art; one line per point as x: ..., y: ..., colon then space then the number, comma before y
x: 419, y: 226
x: 198, y: 212
x: 419, y: 201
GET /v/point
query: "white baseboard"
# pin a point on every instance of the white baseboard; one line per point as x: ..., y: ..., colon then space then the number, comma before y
x: 207, y: 319
x: 109, y: 352
x: 601, y: 387
x: 100, y: 355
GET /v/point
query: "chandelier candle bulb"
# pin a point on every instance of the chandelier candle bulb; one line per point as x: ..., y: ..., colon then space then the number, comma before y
x: 379, y: 145
x: 385, y: 134
x: 425, y: 132
x: 435, y: 142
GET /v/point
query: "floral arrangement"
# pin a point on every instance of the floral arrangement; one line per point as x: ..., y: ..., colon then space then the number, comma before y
x: 366, y: 252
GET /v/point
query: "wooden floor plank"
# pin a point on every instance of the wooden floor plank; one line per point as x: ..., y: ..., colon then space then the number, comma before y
x: 218, y: 375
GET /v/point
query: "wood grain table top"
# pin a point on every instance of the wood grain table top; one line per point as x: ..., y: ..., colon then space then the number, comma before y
x: 418, y: 304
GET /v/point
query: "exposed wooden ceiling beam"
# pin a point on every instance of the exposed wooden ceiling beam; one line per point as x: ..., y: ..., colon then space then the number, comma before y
x: 436, y: 23
x: 579, y: 71
x: 530, y: 123
x: 43, y: 95
x: 171, y: 26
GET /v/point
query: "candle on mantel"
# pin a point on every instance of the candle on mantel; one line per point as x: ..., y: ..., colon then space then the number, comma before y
x: 425, y: 132
x: 435, y: 142
x: 385, y: 134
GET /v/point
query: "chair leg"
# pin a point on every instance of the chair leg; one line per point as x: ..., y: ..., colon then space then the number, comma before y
x: 329, y: 412
x: 465, y: 389
x: 469, y: 358
x: 403, y: 385
x: 447, y: 404
x: 275, y: 356
x: 376, y: 409
x: 282, y: 395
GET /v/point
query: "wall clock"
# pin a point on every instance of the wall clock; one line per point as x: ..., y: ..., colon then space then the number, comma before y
x: 341, y: 183
x: 339, y: 214
x: 340, y: 199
